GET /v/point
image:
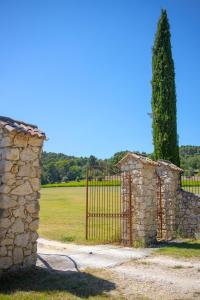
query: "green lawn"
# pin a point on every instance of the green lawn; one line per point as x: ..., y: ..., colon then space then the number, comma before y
x: 83, y: 183
x: 62, y: 218
x: 187, y: 248
x: 62, y: 214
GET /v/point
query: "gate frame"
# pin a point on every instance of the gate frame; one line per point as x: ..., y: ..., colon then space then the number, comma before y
x: 125, y: 217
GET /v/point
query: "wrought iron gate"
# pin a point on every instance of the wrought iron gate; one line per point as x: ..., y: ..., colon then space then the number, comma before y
x: 108, y: 207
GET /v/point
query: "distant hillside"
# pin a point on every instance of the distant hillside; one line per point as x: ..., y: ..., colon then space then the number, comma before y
x: 190, y: 159
x: 58, y: 167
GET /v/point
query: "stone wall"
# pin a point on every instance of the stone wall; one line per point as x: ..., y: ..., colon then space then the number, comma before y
x: 188, y: 214
x: 170, y: 183
x: 19, y: 196
x: 144, y: 209
x: 180, y: 210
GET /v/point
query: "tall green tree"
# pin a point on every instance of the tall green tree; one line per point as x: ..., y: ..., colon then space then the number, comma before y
x: 164, y: 95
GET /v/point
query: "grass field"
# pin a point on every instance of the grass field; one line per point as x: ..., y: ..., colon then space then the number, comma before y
x: 82, y: 183
x: 62, y: 214
x: 187, y: 248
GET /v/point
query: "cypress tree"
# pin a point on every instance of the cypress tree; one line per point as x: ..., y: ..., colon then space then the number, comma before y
x: 164, y: 95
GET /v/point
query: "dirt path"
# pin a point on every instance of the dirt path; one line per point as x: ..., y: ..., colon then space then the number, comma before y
x: 159, y: 277
x: 137, y: 273
x: 61, y: 256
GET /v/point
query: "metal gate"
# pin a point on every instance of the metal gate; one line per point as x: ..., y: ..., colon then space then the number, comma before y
x: 108, y: 207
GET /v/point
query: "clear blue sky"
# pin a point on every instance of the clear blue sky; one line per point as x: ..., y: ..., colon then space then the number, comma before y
x: 81, y: 70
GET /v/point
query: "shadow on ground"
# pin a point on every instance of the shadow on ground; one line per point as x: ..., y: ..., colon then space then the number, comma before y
x: 180, y: 245
x: 80, y: 284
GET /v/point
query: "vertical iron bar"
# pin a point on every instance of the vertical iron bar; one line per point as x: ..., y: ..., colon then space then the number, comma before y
x: 130, y: 211
x: 161, y: 213
x: 86, y: 222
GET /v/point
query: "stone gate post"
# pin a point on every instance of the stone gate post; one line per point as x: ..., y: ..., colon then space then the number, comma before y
x: 144, y: 197
x: 20, y: 148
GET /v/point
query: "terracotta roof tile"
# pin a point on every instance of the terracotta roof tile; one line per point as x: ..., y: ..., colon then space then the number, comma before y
x: 19, y: 126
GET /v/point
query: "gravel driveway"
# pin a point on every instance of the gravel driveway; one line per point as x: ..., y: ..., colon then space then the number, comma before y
x: 137, y: 273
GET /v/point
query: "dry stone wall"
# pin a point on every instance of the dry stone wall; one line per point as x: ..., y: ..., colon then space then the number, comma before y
x: 170, y: 183
x: 188, y: 214
x: 158, y: 202
x: 19, y: 198
x: 144, y: 209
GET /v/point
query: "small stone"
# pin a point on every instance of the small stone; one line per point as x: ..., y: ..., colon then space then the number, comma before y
x: 33, y: 207
x: 36, y: 149
x: 18, y: 226
x: 36, y: 163
x: 6, y: 242
x: 22, y: 239
x: 27, y: 155
x: 34, y: 225
x: 20, y: 140
x: 18, y: 255
x: 6, y: 141
x: 34, y: 236
x: 5, y: 262
x: 21, y: 200
x: 28, y: 219
x: 15, y: 169
x: 19, y: 212
x: 3, y: 251
x: 5, y: 166
x: 5, y: 223
x: 7, y: 202
x: 35, y: 182
x: 29, y: 261
x: 12, y: 154
x: 34, y: 141
x: 23, y: 189
x: 27, y: 170
x: 27, y: 252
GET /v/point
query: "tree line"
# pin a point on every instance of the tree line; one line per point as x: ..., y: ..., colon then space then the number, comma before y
x: 59, y: 167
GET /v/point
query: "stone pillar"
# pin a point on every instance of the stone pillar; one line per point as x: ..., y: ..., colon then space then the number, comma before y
x: 170, y: 183
x: 144, y: 198
x: 20, y: 148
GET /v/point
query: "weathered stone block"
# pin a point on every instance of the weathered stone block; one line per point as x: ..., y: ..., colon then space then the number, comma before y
x: 18, y: 255
x: 23, y: 189
x: 35, y: 141
x: 11, y: 154
x: 5, y: 222
x: 4, y: 189
x: 28, y: 155
x: 19, y: 212
x: 3, y: 251
x: 34, y: 225
x: 7, y: 201
x: 20, y: 140
x: 18, y: 226
x: 35, y: 182
x: 6, y: 141
x: 32, y: 207
x: 22, y: 239
x: 5, y: 262
x: 5, y: 166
